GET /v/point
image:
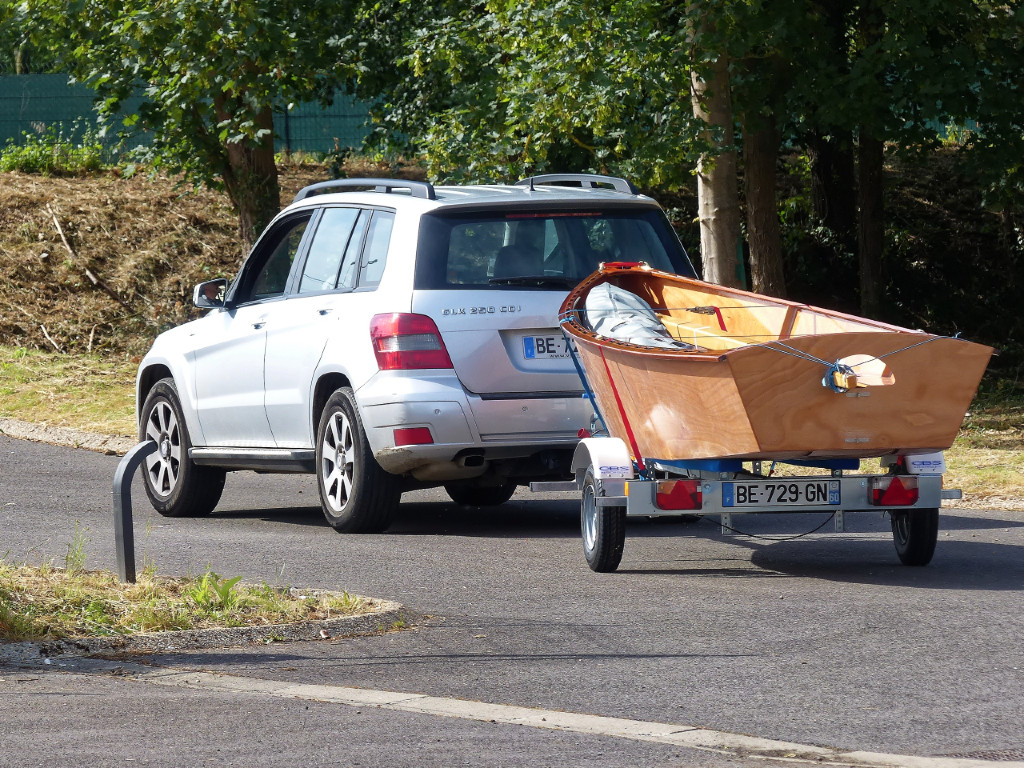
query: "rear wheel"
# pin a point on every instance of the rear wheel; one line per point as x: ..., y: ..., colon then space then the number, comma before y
x: 356, y: 495
x: 175, y: 485
x: 472, y: 495
x: 603, y: 528
x: 915, y: 532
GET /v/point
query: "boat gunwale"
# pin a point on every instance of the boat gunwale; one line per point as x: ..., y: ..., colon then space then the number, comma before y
x: 571, y: 312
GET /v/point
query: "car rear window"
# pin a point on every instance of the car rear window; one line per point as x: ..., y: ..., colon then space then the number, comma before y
x: 540, y: 249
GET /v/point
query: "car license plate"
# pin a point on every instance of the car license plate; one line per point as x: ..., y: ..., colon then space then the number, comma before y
x: 781, y: 493
x: 544, y: 347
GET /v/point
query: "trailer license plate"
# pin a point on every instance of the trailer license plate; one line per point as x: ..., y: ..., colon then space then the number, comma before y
x: 544, y: 347
x: 781, y: 493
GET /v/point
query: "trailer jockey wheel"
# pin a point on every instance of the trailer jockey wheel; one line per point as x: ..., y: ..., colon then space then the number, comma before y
x: 604, y: 529
x: 914, y: 532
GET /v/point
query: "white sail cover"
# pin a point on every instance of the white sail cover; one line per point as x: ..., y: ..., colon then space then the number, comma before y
x: 615, y: 313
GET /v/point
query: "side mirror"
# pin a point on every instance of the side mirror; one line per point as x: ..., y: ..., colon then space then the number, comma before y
x: 210, y: 295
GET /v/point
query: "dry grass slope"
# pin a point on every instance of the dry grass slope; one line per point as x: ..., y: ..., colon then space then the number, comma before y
x: 148, y: 240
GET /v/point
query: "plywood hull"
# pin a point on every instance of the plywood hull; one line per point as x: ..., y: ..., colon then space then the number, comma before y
x: 766, y: 399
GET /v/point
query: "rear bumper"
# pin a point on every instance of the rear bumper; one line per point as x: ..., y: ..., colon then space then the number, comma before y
x: 468, y: 431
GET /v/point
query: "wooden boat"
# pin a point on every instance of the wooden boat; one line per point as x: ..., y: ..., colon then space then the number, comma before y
x: 750, y: 376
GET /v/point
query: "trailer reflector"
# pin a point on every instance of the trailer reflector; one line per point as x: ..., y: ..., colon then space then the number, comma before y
x: 895, y: 491
x: 679, y: 494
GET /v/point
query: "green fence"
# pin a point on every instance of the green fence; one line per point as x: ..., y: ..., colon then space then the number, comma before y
x: 33, y: 103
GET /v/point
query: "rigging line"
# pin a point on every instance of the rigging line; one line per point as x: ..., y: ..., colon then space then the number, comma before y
x: 896, y: 351
x: 794, y: 352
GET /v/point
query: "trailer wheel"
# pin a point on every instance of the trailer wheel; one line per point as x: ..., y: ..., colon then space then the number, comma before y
x: 604, y: 529
x: 914, y: 532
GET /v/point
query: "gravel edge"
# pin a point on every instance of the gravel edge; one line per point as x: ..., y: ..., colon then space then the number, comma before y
x: 387, y: 615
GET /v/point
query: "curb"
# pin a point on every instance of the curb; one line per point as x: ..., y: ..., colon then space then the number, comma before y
x: 109, y: 445
x: 383, y: 619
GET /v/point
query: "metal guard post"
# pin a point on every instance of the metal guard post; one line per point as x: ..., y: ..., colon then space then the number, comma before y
x: 124, y: 533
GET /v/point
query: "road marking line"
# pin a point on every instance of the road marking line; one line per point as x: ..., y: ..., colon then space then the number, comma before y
x: 687, y: 736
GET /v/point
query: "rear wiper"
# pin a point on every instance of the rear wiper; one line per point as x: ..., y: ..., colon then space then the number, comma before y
x: 535, y: 280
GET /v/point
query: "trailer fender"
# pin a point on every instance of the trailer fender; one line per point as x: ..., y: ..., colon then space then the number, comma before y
x: 607, y: 456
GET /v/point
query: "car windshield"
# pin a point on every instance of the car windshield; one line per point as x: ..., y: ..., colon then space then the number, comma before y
x: 541, y: 249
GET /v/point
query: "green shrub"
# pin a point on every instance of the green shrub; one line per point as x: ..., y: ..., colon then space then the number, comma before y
x: 54, y: 153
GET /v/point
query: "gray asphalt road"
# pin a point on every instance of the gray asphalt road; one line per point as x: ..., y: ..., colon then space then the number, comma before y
x: 825, y: 640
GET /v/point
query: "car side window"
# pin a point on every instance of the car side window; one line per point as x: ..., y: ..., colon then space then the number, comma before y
x: 375, y: 252
x: 330, y: 241
x: 350, y: 265
x: 276, y: 255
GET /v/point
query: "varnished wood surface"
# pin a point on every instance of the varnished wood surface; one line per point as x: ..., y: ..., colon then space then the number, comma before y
x: 764, y: 399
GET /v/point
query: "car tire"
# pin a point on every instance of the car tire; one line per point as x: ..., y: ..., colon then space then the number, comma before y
x: 472, y: 495
x: 176, y: 486
x: 915, y: 532
x: 603, y: 529
x: 356, y: 495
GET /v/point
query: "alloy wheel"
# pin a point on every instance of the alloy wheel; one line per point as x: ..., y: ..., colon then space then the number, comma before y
x: 336, y: 467
x: 164, y: 466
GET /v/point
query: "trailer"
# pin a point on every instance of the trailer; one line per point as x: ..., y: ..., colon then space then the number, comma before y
x: 613, y: 487
x: 700, y: 391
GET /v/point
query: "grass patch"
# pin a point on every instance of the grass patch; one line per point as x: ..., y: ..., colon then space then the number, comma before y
x: 49, y: 603
x: 90, y: 392
x: 987, y: 459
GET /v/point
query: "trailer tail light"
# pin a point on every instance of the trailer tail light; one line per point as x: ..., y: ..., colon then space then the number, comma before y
x: 413, y: 436
x: 894, y: 491
x: 403, y: 342
x: 678, y: 494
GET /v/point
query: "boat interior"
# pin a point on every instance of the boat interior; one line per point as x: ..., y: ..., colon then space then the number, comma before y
x: 715, y: 318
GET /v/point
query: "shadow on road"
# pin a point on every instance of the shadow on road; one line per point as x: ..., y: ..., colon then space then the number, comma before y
x: 514, y: 520
x: 957, y: 565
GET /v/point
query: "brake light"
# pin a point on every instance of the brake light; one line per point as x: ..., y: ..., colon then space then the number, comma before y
x: 403, y: 342
x: 895, y: 491
x: 679, y: 494
x: 413, y: 436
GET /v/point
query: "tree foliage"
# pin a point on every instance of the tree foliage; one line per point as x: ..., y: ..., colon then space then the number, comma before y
x: 19, y: 54
x: 211, y: 75
x: 500, y: 89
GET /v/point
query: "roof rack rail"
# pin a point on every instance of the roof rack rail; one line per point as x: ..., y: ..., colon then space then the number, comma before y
x: 416, y: 188
x: 584, y: 180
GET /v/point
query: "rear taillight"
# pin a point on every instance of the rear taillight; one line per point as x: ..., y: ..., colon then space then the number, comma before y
x: 894, y: 491
x: 404, y: 342
x: 679, y: 494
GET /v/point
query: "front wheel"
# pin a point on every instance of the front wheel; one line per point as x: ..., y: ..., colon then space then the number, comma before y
x: 603, y: 528
x: 356, y: 495
x: 175, y: 485
x: 915, y: 532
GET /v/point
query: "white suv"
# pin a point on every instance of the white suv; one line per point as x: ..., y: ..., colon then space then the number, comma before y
x: 388, y: 335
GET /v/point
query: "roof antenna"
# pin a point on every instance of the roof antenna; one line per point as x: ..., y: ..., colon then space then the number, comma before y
x: 531, y: 185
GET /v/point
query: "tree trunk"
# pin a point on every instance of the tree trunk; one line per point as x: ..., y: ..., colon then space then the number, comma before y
x: 717, y: 193
x: 870, y: 160
x: 760, y: 150
x: 871, y: 227
x: 250, y: 178
x: 833, y: 182
x: 22, y: 60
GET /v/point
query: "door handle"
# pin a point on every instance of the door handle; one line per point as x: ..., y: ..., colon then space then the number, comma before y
x: 325, y: 311
x: 259, y: 323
